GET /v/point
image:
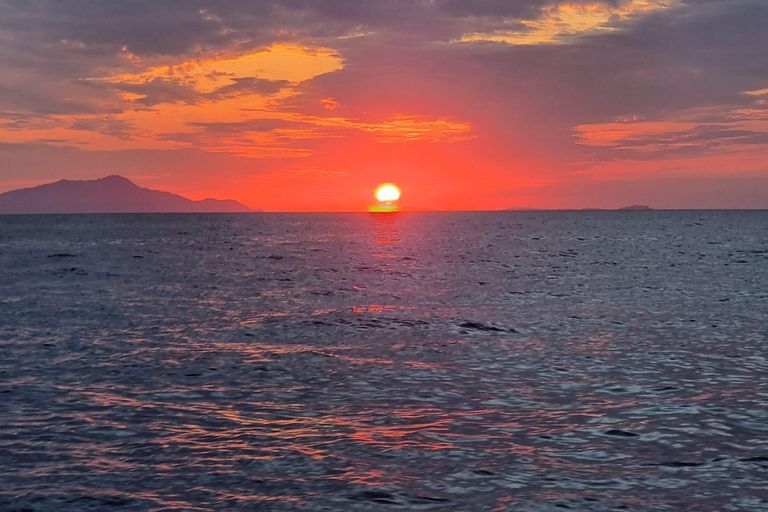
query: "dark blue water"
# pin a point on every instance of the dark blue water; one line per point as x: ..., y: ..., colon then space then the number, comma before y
x: 465, y: 361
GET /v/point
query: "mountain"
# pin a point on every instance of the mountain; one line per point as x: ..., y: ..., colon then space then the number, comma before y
x: 113, y: 194
x: 637, y: 207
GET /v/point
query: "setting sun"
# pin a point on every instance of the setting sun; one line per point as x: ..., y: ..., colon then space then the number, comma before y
x: 387, y: 193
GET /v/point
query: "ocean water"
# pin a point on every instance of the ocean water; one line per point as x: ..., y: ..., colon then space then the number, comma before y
x: 520, y: 361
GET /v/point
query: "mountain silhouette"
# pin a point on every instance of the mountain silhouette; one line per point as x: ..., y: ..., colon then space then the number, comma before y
x: 113, y: 194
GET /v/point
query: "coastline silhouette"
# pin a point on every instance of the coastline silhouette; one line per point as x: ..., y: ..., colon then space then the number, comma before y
x: 112, y: 194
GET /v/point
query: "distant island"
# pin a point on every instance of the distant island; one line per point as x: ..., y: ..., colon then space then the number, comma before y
x: 113, y: 194
x: 637, y: 207
x: 634, y: 207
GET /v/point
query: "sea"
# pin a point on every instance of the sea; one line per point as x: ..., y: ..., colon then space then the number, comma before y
x: 506, y: 361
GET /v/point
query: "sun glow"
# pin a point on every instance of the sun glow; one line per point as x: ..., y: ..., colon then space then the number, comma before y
x: 387, y: 193
x: 387, y: 196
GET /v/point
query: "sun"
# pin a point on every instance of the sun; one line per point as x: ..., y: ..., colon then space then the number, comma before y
x: 387, y: 193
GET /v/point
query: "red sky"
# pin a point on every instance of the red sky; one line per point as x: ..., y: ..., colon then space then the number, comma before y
x: 465, y: 104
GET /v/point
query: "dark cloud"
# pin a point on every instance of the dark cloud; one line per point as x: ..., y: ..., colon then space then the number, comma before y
x: 715, y: 135
x: 164, y: 90
x: 147, y: 27
x: 249, y: 85
x: 105, y: 125
x: 698, y: 53
x: 701, y: 140
x: 42, y: 100
x: 160, y: 90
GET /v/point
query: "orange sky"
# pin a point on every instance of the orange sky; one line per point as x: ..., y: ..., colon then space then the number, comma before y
x: 476, y: 105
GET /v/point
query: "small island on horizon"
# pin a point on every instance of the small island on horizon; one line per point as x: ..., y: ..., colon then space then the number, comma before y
x: 634, y: 207
x: 638, y: 207
x: 111, y: 194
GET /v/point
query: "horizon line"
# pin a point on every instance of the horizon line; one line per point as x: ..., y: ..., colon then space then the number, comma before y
x: 331, y: 212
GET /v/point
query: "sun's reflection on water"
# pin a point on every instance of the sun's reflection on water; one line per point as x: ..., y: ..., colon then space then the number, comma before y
x: 386, y: 231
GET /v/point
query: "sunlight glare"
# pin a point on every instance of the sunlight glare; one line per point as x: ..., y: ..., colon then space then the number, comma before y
x: 387, y: 193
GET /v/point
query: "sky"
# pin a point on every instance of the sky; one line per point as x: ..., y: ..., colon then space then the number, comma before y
x: 308, y: 105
